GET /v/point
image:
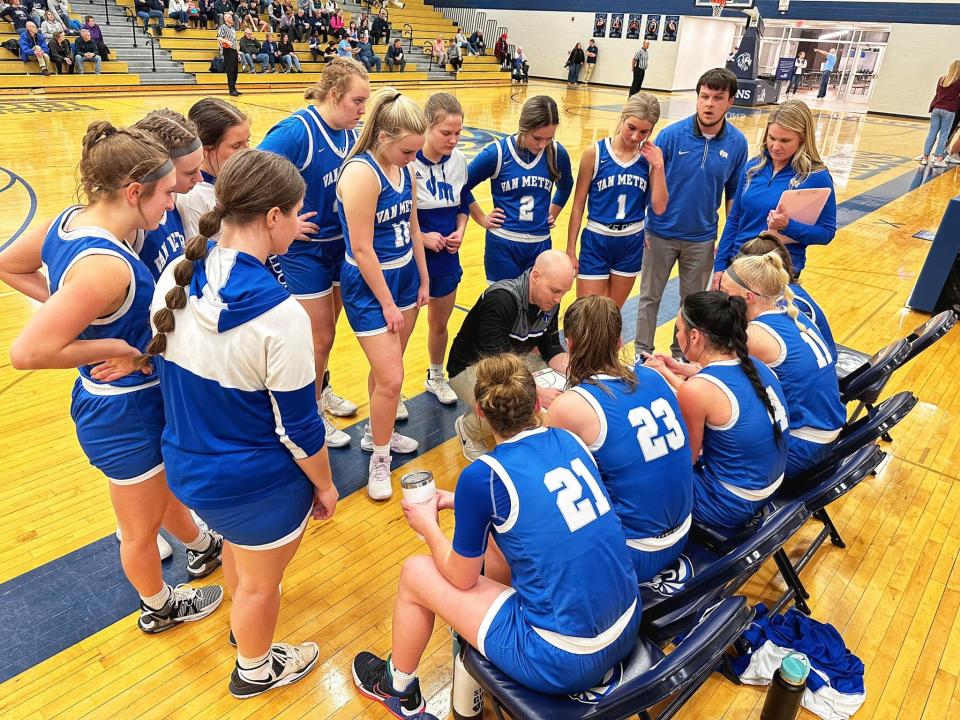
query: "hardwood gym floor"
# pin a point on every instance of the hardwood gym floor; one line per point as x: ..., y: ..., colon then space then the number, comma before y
x: 69, y: 649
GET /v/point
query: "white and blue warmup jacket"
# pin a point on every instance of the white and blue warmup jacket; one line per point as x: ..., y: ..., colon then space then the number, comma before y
x: 159, y: 247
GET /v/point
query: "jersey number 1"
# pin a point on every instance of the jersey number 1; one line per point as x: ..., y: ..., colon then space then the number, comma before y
x: 621, y: 206
x: 577, y: 510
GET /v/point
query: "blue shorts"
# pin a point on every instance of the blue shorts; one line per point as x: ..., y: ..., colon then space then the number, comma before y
x: 803, y: 455
x: 507, y: 641
x: 716, y: 506
x: 507, y: 259
x: 362, y: 307
x: 267, y: 522
x: 311, y: 269
x: 649, y: 564
x: 443, y: 285
x: 120, y: 434
x: 603, y: 255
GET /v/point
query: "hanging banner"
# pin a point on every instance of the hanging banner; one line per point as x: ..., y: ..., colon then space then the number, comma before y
x: 633, y: 26
x: 600, y: 25
x: 616, y: 25
x: 670, y: 27
x: 653, y: 27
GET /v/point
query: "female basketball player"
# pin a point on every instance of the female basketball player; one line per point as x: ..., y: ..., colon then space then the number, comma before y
x: 384, y: 280
x: 791, y: 345
x: 95, y: 317
x: 524, y: 171
x: 617, y: 175
x: 443, y: 209
x: 766, y: 243
x: 572, y: 612
x: 243, y: 443
x: 788, y: 160
x: 316, y: 140
x: 733, y: 407
x: 630, y: 420
x: 178, y: 135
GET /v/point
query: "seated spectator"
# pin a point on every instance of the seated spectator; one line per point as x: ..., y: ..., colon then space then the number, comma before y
x: 33, y: 46
x: 439, y: 51
x: 85, y: 50
x: 36, y: 9
x: 301, y: 26
x: 286, y: 18
x: 254, y: 23
x: 270, y: 49
x: 454, y: 56
x: 221, y: 8
x: 336, y: 25
x: 251, y: 51
x: 147, y: 9
x: 521, y: 68
x: 319, y: 24
x: 352, y: 35
x: 501, y: 51
x: 315, y: 46
x: 97, y: 36
x: 366, y: 55
x: 330, y: 51
x: 16, y: 14
x: 61, y: 53
x: 178, y: 11
x: 462, y: 42
x: 395, y: 60
x: 477, y: 43
x: 344, y: 49
x: 62, y: 10
x: 380, y: 29
x: 51, y: 25
x: 287, y: 54
x: 363, y: 26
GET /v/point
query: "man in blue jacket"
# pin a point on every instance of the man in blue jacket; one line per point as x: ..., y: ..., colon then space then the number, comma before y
x: 33, y: 46
x: 703, y: 158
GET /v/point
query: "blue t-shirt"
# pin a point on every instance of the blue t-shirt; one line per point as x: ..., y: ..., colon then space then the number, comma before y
x: 830, y: 62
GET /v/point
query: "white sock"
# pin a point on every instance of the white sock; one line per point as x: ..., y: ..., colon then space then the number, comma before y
x: 436, y: 372
x: 201, y: 543
x: 381, y: 450
x: 400, y: 680
x: 156, y: 602
x: 257, y: 668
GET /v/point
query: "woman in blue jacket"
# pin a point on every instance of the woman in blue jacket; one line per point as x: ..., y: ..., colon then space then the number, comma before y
x: 788, y: 160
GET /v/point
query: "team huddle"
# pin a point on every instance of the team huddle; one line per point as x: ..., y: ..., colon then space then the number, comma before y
x: 198, y: 290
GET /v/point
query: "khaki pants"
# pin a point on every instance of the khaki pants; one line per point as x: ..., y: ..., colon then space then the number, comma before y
x: 463, y: 384
x: 588, y: 71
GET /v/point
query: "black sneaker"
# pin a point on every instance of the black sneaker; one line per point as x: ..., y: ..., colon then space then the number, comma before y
x: 231, y: 639
x: 288, y: 663
x: 185, y: 604
x: 201, y: 563
x: 372, y: 676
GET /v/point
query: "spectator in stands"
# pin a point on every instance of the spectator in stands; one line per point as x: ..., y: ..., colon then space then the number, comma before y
x: 301, y: 26
x: 319, y: 24
x: 193, y: 14
x: 221, y: 8
x: 439, y: 52
x: 521, y: 68
x: 502, y: 53
x: 314, y: 45
x: 336, y: 25
x: 251, y: 51
x: 85, y: 50
x: 462, y: 43
x: 33, y: 46
x: 286, y: 18
x: 227, y: 39
x: 36, y: 9
x: 592, y: 52
x: 455, y: 56
x: 51, y: 25
x: 177, y: 9
x: 62, y: 9
x: 364, y: 25
x: 574, y: 62
x: 147, y: 9
x: 395, y: 59
x: 269, y: 48
x: 330, y: 51
x: 61, y: 53
x: 366, y: 55
x: 97, y: 36
x: 287, y: 54
x: 352, y: 34
x: 251, y: 21
x: 380, y: 29
x: 477, y: 44
x: 16, y: 14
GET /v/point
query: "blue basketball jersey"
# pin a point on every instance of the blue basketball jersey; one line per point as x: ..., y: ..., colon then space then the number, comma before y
x: 807, y: 371
x: 556, y: 527
x: 131, y: 322
x: 642, y: 451
x: 523, y: 189
x: 391, y: 222
x: 318, y: 152
x: 743, y: 452
x: 157, y: 248
x: 618, y: 190
x: 808, y: 306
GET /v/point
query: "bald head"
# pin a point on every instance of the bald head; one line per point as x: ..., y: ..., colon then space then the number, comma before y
x: 551, y: 278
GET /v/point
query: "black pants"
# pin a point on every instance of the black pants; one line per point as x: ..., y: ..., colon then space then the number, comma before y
x: 638, y: 74
x: 230, y: 67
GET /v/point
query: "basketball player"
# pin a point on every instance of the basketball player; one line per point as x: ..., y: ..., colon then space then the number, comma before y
x: 630, y: 420
x: 733, y: 407
x: 530, y: 180
x: 95, y: 317
x: 443, y: 209
x: 316, y: 140
x: 573, y: 610
x: 617, y: 175
x: 384, y: 280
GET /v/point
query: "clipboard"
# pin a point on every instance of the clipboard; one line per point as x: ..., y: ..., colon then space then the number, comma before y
x: 550, y: 378
x: 804, y: 205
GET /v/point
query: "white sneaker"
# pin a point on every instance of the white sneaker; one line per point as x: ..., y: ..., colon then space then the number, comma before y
x: 922, y: 159
x: 441, y: 388
x: 162, y: 545
x: 398, y: 443
x: 379, y: 486
x: 335, y: 437
x: 336, y: 405
x: 472, y: 449
x: 939, y: 163
x: 953, y: 159
x: 402, y: 412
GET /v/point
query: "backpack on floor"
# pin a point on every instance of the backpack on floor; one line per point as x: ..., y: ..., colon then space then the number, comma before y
x: 217, y: 66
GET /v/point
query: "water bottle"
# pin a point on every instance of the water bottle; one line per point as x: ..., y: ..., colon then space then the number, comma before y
x: 467, y: 695
x: 786, y: 690
x: 418, y: 487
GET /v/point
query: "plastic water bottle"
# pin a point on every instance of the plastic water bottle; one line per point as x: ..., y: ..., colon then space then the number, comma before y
x: 786, y: 690
x: 467, y: 695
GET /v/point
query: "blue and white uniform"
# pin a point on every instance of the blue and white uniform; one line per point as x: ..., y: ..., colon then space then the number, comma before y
x: 238, y: 387
x: 808, y: 306
x: 807, y: 370
x: 741, y: 464
x: 644, y: 458
x: 393, y: 247
x: 522, y: 187
x: 441, y: 199
x: 612, y: 241
x: 118, y: 423
x: 573, y: 611
x: 157, y: 248
x: 312, y: 268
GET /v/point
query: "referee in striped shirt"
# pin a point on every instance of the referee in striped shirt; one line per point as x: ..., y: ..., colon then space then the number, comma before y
x: 227, y: 38
x: 639, y: 66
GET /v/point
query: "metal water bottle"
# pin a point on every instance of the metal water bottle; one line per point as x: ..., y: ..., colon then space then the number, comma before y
x: 786, y: 690
x: 418, y: 487
x: 467, y: 695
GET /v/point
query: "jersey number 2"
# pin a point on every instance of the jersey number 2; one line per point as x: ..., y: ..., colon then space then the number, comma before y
x: 577, y: 510
x: 526, y: 208
x: 653, y: 444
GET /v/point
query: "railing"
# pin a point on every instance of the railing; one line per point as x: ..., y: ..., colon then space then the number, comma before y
x: 407, y: 33
x: 153, y: 58
x: 106, y: 10
x: 132, y: 17
x: 428, y: 50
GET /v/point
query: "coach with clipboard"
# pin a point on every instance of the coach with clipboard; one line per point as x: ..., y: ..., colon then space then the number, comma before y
x: 787, y: 189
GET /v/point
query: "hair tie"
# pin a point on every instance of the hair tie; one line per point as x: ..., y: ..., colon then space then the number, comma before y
x: 219, y: 210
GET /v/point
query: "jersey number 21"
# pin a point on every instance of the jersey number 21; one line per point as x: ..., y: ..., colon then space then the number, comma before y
x: 577, y: 510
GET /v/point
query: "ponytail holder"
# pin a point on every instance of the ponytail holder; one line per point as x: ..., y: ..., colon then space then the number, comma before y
x: 157, y: 173
x: 190, y: 147
x: 219, y: 209
x: 394, y: 98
